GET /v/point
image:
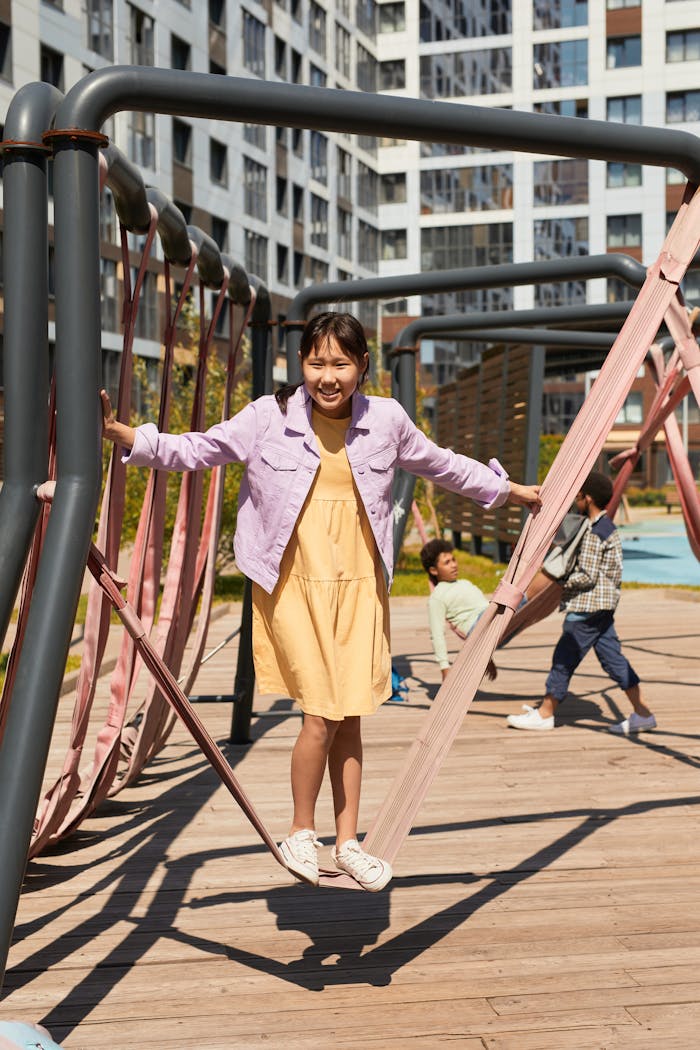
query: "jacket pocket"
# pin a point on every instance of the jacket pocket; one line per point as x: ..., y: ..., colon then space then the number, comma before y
x: 278, y: 458
x: 382, y: 461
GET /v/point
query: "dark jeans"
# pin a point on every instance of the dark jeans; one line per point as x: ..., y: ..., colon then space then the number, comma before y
x: 596, y: 632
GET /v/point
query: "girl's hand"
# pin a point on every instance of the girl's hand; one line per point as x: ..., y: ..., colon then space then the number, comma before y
x: 525, y: 496
x: 112, y: 429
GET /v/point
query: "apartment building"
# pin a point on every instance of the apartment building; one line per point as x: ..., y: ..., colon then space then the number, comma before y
x: 293, y: 206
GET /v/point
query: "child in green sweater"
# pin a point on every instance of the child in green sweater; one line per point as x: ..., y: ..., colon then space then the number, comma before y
x: 454, y: 600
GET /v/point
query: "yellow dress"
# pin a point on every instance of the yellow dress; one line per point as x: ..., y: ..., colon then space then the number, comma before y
x: 322, y: 636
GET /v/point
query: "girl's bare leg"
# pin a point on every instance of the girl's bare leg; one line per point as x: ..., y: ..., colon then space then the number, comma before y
x: 345, y: 769
x: 309, y: 759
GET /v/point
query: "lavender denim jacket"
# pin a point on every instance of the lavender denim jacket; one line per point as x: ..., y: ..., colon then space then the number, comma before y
x: 281, y: 459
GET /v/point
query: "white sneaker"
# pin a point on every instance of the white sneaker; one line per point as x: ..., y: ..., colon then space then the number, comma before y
x: 532, y: 719
x: 634, y: 724
x: 301, y: 856
x: 370, y: 872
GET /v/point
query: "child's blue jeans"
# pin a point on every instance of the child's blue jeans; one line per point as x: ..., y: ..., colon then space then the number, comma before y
x: 582, y: 632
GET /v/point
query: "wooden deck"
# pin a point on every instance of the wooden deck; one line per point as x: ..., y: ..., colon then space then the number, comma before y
x: 548, y: 898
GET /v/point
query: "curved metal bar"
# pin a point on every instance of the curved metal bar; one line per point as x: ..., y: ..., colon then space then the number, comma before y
x: 172, y: 228
x: 502, y: 275
x: 106, y: 91
x: 534, y: 337
x: 209, y: 263
x: 128, y: 189
x: 409, y: 336
x: 238, y: 282
x: 26, y: 352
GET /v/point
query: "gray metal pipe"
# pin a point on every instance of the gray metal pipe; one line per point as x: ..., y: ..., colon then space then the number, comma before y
x: 583, y: 268
x: 141, y: 88
x: 26, y: 350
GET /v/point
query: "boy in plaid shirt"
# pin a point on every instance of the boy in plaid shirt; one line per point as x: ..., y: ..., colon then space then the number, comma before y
x: 590, y: 597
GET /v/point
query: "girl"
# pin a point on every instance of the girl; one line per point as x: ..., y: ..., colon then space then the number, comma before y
x: 314, y: 533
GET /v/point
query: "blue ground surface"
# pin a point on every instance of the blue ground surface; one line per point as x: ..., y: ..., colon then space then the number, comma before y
x: 657, y: 551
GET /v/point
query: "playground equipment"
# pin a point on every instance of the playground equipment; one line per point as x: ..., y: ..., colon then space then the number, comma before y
x: 75, y: 140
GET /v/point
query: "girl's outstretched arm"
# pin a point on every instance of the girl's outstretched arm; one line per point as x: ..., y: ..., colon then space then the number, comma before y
x: 525, y: 496
x: 112, y: 429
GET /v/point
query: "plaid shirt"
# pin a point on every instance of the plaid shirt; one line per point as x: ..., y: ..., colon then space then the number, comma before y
x: 594, y: 582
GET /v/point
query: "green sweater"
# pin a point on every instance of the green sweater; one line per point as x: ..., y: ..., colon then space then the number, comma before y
x: 460, y: 602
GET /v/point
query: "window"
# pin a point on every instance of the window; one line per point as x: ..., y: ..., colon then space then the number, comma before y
x: 319, y: 221
x: 624, y: 231
x: 367, y: 187
x: 254, y: 189
x: 218, y: 162
x: 563, y: 63
x: 98, y: 17
x: 253, y: 44
x: 555, y: 239
x: 616, y: 5
x: 109, y: 313
x: 182, y: 143
x: 142, y: 139
x: 51, y: 63
x: 216, y: 68
x: 317, y: 78
x: 318, y: 271
x: 392, y: 17
x: 625, y: 110
x: 282, y: 264
x: 297, y: 142
x: 255, y: 135
x: 394, y: 244
x: 186, y: 210
x: 454, y: 20
x: 447, y: 247
x: 621, y: 175
x: 280, y: 59
x: 624, y: 51
x: 140, y: 37
x: 344, y: 233
x: 108, y: 224
x: 217, y: 13
x: 256, y: 254
x: 561, y: 182
x: 297, y: 203
x: 318, y: 146
x: 683, y: 46
x: 631, y: 411
x: 219, y: 232
x: 281, y: 196
x: 344, y: 174
x: 317, y: 28
x: 392, y: 75
x: 298, y: 271
x: 618, y: 291
x: 682, y: 106
x: 343, y: 51
x: 366, y: 70
x: 466, y: 189
x: 180, y: 53
x: 146, y: 324
x: 462, y: 73
x: 366, y: 14
x: 367, y: 245
x: 392, y: 188
x: 295, y: 8
x: 559, y: 14
x: 566, y: 107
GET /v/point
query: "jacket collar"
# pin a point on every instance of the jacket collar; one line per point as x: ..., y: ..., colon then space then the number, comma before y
x: 299, y: 411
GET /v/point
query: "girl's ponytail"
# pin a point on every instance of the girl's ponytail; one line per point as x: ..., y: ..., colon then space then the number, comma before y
x: 284, y: 393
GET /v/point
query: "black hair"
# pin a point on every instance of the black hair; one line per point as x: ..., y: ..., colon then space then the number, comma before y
x: 345, y: 329
x: 599, y: 487
x: 431, y: 552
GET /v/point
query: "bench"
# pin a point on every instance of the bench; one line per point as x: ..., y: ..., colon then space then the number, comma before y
x: 671, y: 498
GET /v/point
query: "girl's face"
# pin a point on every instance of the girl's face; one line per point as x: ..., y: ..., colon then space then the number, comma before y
x: 331, y: 376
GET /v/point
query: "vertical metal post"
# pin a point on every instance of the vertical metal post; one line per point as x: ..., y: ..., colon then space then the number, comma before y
x: 244, y: 683
x: 404, y: 389
x: 41, y: 667
x: 534, y: 415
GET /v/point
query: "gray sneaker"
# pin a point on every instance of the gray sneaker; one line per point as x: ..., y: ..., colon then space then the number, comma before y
x: 300, y: 852
x: 370, y: 872
x: 634, y: 724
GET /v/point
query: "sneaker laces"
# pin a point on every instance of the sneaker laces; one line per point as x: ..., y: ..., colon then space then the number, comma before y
x: 304, y: 844
x: 363, y: 864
